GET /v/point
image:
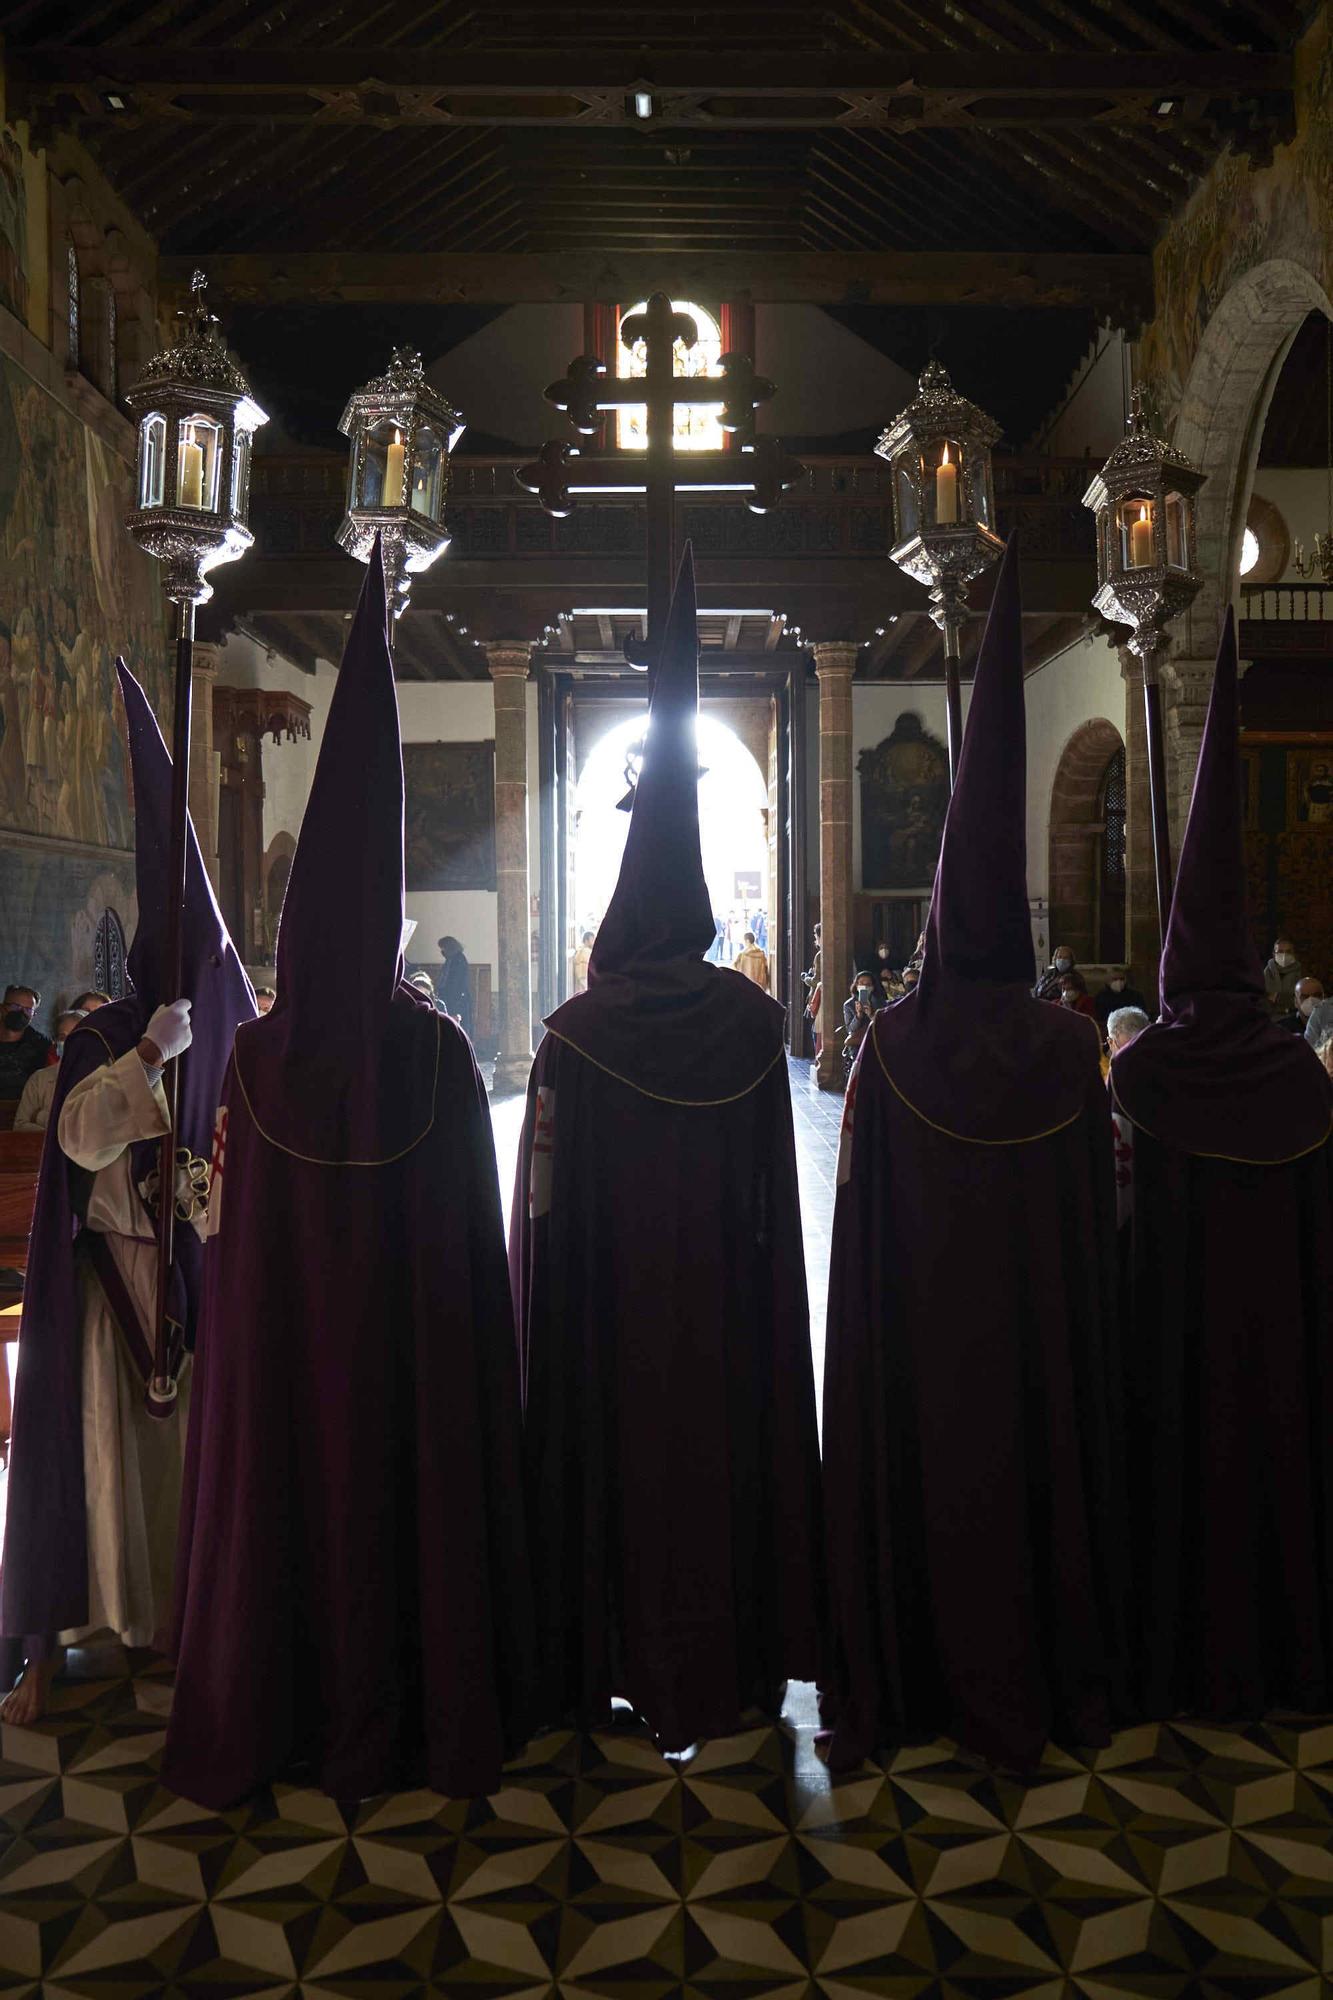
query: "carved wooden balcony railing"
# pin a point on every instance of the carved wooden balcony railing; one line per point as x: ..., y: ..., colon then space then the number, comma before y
x: 841, y: 507
x: 1286, y: 618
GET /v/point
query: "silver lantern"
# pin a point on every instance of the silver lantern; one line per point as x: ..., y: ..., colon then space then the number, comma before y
x: 402, y: 432
x: 939, y: 448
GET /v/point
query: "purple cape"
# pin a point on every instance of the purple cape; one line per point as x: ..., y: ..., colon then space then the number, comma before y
x: 1229, y: 1391
x: 352, y: 1588
x: 655, y: 1250
x: 970, y: 1485
x: 44, y: 1579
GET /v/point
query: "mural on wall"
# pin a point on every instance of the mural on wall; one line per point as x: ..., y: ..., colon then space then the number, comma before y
x: 13, y: 227
x: 904, y: 797
x: 1239, y: 217
x: 1289, y: 845
x: 74, y: 592
x: 449, y: 829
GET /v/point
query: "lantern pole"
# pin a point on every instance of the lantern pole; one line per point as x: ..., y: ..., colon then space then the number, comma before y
x: 1143, y: 499
x: 191, y: 515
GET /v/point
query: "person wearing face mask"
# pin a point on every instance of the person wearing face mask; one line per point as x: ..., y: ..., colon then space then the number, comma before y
x: 23, y: 1048
x: 1309, y: 994
x: 857, y: 1014
x: 1116, y: 993
x: 35, y: 1103
x: 1281, y: 977
x: 1048, y: 986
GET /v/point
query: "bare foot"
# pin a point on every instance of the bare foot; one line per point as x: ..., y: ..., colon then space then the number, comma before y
x: 27, y: 1702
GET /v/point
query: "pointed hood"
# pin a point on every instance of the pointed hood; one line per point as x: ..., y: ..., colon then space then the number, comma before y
x: 212, y: 976
x: 970, y: 1050
x: 661, y: 908
x: 655, y: 1015
x: 326, y: 1072
x: 1215, y: 1074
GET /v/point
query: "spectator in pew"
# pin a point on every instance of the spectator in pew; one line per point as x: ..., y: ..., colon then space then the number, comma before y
x: 35, y: 1103
x: 1281, y: 975
x: 85, y: 1003
x: 1319, y: 1024
x: 1116, y: 993
x: 23, y: 1048
x: 1124, y: 1024
x: 1309, y: 995
x: 265, y: 996
x: 1074, y: 995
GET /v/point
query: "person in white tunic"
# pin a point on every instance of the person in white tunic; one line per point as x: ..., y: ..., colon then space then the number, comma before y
x: 132, y: 1463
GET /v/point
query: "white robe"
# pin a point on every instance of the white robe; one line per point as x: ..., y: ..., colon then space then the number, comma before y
x: 132, y: 1463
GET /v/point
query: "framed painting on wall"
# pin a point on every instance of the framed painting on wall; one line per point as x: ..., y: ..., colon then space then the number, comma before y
x: 449, y: 817
x: 1310, y: 787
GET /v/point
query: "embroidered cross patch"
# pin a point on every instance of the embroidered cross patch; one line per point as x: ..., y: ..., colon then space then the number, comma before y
x: 215, y: 1171
x: 543, y: 1142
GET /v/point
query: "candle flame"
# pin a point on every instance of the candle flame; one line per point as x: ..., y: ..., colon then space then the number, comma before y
x: 397, y: 437
x: 945, y: 459
x: 1143, y: 511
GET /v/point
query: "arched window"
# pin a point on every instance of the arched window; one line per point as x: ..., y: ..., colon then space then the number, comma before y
x: 1111, y: 863
x: 696, y: 426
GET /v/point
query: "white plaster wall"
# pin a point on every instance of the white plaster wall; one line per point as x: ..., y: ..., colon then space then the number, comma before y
x: 1300, y: 494
x: 1076, y: 686
x: 828, y: 379
x: 496, y: 377
x: 1090, y: 419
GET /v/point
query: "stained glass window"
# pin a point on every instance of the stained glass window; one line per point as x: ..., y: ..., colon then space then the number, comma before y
x: 696, y: 426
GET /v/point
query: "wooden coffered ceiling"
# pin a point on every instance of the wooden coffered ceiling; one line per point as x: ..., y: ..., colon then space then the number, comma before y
x: 1042, y: 127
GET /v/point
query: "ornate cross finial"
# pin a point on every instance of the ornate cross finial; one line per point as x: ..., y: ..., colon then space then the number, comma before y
x: 197, y: 316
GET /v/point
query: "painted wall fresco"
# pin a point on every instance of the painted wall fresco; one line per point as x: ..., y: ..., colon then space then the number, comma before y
x: 74, y: 592
x: 1240, y: 217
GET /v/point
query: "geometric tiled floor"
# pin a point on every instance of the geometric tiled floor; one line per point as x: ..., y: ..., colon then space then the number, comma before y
x: 1180, y: 1862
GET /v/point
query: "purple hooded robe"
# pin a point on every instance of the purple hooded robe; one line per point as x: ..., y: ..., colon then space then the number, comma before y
x: 352, y: 1586
x: 656, y: 1257
x: 1229, y: 1367
x: 44, y: 1580
x: 969, y: 1385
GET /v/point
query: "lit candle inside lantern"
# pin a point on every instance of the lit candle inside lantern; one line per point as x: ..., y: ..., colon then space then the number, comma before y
x: 191, y: 471
x: 946, y: 490
x: 393, y: 473
x: 1140, y: 541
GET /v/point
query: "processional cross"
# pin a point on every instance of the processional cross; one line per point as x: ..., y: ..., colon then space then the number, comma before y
x: 561, y: 472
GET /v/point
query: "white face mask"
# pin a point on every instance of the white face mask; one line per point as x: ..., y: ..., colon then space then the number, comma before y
x: 1284, y: 958
x: 1117, y: 985
x: 1307, y: 1007
x: 1064, y: 964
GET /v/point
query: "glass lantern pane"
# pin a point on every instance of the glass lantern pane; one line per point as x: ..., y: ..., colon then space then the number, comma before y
x: 427, y: 473
x: 382, y: 466
x: 152, y: 459
x: 1177, y: 532
x: 909, y: 514
x: 1137, y: 546
x: 982, y: 509
x: 197, y: 464
x: 240, y: 475
x: 944, y: 458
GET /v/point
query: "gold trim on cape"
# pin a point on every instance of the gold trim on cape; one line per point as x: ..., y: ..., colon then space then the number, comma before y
x: 966, y: 1138
x: 689, y: 1103
x: 311, y: 1159
x: 1232, y: 1159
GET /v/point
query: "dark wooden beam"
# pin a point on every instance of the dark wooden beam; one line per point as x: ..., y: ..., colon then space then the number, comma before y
x: 722, y: 89
x: 1118, y: 286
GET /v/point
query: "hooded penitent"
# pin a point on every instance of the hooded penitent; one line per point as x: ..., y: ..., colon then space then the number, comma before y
x: 45, y: 1572
x: 1215, y: 1075
x: 1230, y: 1395
x: 652, y: 1010
x: 353, y: 1584
x: 656, y: 1257
x: 969, y: 1380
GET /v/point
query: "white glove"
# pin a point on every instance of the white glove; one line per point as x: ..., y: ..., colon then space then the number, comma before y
x: 169, y: 1030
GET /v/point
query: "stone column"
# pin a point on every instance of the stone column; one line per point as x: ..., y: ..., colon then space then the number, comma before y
x: 508, y: 660
x: 203, y: 763
x: 1187, y: 686
x: 835, y: 662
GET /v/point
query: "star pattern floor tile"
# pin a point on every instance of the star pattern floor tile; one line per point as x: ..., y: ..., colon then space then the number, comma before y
x: 1180, y: 1861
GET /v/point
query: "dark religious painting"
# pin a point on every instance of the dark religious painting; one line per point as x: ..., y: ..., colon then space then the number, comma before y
x: 904, y: 796
x: 450, y: 815
x: 13, y: 227
x: 1289, y: 844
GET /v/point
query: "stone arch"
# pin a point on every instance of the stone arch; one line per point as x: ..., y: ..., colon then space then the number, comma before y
x: 1223, y: 412
x: 1078, y: 828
